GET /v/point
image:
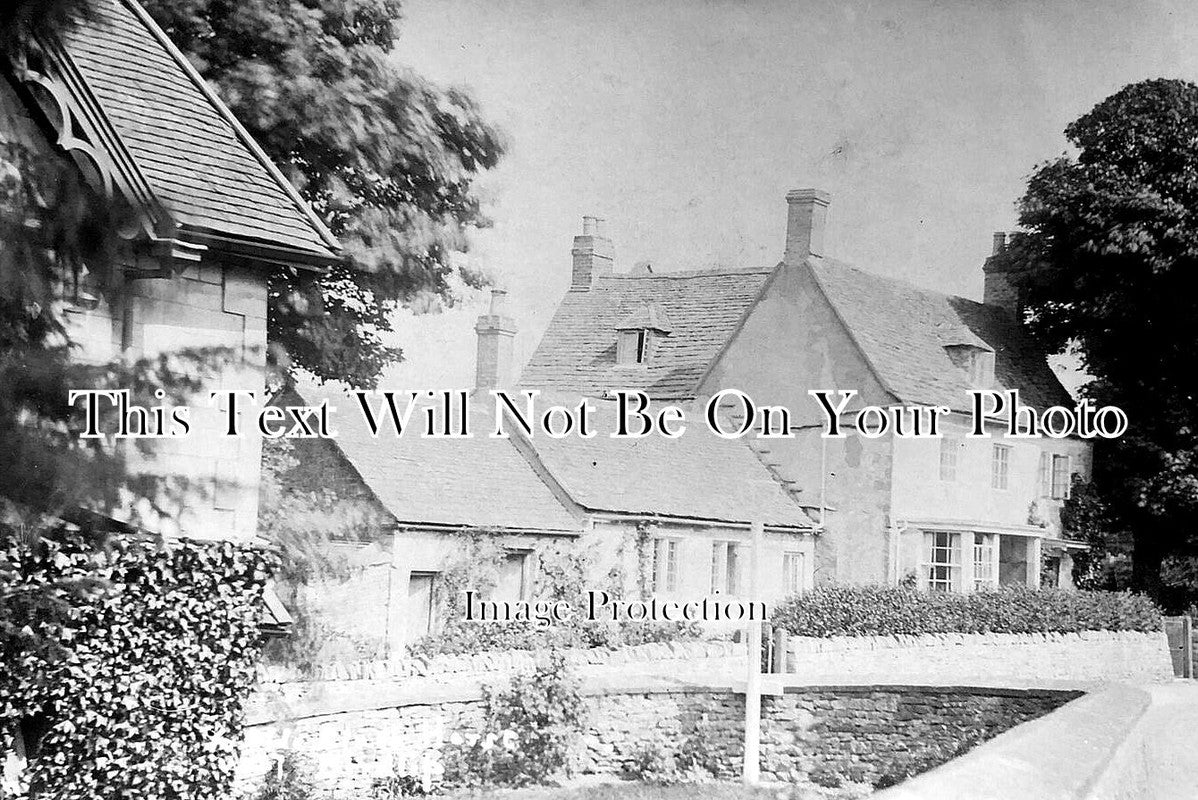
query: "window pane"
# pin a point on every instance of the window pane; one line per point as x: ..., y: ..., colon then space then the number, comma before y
x: 672, y: 565
x: 943, y: 566
x: 1060, y: 477
x: 999, y: 466
x: 733, y: 580
x: 718, y: 551
x: 948, y: 459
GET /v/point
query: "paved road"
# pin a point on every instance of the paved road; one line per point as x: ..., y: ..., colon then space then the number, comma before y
x: 1160, y: 760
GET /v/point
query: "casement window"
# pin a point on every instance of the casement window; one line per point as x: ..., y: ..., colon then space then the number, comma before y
x: 948, y: 459
x: 513, y: 583
x: 420, y: 614
x: 985, y: 560
x: 1044, y: 475
x: 941, y: 566
x: 1062, y: 478
x: 634, y: 346
x: 794, y: 570
x: 665, y: 565
x: 1000, y: 467
x: 725, y: 568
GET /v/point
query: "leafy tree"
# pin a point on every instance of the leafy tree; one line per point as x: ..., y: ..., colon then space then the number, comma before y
x: 1107, y: 262
x: 386, y: 158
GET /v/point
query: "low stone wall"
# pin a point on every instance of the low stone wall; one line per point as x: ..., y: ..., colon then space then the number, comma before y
x: 824, y: 732
x: 451, y: 667
x: 984, y: 658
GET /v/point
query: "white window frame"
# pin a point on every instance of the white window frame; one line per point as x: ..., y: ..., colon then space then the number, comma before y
x: 1065, y: 488
x: 794, y: 572
x: 948, y: 459
x: 940, y: 569
x: 1000, y: 467
x: 665, y: 564
x: 985, y: 560
x: 726, y: 563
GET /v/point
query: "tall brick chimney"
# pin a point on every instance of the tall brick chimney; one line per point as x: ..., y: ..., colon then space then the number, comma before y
x: 493, y: 364
x: 806, y: 218
x: 593, y: 255
x: 998, y: 289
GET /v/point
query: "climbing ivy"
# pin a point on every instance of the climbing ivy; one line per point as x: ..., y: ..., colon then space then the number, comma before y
x: 135, y: 673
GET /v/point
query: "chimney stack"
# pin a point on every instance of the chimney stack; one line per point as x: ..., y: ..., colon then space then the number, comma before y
x: 999, y: 288
x: 806, y: 219
x: 496, y: 330
x: 593, y: 255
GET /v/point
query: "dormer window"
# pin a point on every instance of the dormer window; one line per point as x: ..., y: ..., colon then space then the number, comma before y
x: 639, y: 334
x: 976, y: 361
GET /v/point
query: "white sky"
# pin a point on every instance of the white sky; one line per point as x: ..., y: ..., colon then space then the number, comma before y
x: 685, y: 122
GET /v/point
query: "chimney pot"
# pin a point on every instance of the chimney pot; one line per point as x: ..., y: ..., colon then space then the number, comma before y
x: 496, y: 332
x: 593, y: 255
x: 498, y: 301
x: 1000, y: 242
x: 806, y: 219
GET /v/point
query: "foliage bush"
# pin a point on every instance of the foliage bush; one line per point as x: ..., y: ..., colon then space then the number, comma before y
x: 890, y: 610
x: 529, y: 733
x: 697, y: 760
x: 140, y: 689
x: 289, y: 778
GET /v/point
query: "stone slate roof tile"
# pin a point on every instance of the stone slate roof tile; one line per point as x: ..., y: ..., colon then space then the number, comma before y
x: 489, y: 482
x: 578, y: 351
x: 696, y: 475
x: 903, y: 330
x: 199, y: 162
x: 478, y: 482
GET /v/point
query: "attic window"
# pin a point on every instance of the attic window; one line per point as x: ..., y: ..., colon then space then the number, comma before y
x: 981, y: 369
x: 976, y: 361
x: 638, y: 334
x: 633, y: 346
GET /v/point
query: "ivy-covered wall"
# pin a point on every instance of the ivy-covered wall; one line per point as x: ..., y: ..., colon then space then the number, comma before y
x: 126, y: 663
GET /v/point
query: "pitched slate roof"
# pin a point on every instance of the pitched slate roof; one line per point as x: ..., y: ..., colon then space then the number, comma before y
x: 543, y: 484
x: 696, y: 476
x: 199, y: 161
x: 478, y: 482
x: 903, y: 330
x: 578, y: 351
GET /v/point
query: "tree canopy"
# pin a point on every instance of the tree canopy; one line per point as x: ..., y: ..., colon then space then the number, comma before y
x: 1107, y: 264
x: 387, y: 159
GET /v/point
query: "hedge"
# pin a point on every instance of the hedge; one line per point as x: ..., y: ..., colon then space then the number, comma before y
x: 891, y: 610
x: 140, y: 678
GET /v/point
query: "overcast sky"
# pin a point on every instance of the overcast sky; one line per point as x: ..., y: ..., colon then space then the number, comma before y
x: 684, y: 123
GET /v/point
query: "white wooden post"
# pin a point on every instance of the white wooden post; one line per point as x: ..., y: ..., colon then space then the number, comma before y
x: 752, y: 767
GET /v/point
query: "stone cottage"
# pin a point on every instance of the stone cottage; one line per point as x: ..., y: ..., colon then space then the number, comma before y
x: 670, y: 517
x: 212, y: 218
x: 950, y: 513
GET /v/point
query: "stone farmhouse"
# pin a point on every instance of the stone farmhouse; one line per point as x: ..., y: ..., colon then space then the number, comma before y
x: 949, y: 514
x: 212, y: 218
x: 954, y: 513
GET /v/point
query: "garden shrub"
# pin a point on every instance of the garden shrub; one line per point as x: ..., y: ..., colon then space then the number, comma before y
x: 139, y: 682
x: 529, y: 733
x: 892, y: 610
x: 289, y: 778
x: 697, y: 759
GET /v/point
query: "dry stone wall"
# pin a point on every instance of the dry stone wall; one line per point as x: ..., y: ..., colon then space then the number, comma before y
x: 827, y: 732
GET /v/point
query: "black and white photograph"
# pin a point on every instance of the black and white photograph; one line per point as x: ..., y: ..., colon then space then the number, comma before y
x: 598, y: 399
